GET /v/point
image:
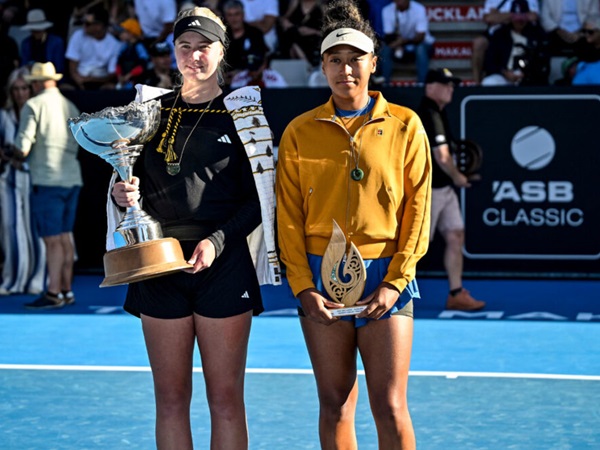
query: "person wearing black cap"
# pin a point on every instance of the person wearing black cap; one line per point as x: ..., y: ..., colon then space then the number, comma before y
x: 160, y: 72
x: 445, y: 210
x: 200, y: 184
x: 355, y: 172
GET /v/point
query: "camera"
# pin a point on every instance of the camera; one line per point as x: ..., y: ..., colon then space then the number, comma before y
x: 533, y: 62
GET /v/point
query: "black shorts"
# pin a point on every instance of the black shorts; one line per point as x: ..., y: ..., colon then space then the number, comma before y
x: 227, y: 288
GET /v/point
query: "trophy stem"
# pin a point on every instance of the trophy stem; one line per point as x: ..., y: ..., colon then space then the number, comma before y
x: 135, y: 227
x: 122, y: 157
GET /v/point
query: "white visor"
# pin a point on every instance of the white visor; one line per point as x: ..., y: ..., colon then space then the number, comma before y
x: 348, y: 36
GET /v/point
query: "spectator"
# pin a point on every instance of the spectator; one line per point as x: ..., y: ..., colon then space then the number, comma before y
x: 82, y: 7
x: 92, y: 53
x: 564, y: 20
x: 495, y: 13
x: 517, y: 54
x: 160, y: 73
x: 42, y: 45
x: 588, y: 71
x: 263, y: 15
x: 60, y: 14
x: 10, y: 57
x: 259, y: 74
x: 23, y: 270
x: 51, y: 151
x: 156, y: 18
x: 244, y: 39
x: 133, y: 57
x: 300, y: 31
x: 445, y: 210
x: 589, y: 52
x: 406, y: 37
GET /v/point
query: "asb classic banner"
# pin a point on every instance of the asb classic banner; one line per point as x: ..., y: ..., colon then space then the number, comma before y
x: 539, y: 196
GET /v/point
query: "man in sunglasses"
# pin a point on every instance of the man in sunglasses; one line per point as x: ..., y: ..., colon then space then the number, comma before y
x: 92, y: 53
x: 588, y: 69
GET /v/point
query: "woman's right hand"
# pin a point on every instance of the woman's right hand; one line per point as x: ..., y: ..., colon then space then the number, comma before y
x: 315, y: 307
x: 127, y: 193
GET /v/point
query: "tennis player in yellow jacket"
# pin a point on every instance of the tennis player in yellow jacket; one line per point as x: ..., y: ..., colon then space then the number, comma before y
x: 365, y: 164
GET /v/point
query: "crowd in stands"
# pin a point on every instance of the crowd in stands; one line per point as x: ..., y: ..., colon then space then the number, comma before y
x: 115, y: 44
x: 522, y: 37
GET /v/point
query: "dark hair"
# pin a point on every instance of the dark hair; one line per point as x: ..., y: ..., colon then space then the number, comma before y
x: 99, y: 13
x: 346, y: 14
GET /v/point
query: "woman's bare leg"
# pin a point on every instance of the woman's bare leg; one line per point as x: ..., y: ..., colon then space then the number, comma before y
x: 385, y: 347
x: 332, y: 351
x: 170, y: 345
x: 223, y: 347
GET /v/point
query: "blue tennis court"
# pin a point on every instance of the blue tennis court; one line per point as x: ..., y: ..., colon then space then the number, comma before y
x: 525, y: 375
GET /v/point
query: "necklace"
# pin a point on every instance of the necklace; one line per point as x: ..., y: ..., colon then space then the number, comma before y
x: 174, y: 166
x: 357, y: 173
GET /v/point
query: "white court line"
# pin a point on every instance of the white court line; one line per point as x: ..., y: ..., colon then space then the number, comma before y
x: 416, y: 373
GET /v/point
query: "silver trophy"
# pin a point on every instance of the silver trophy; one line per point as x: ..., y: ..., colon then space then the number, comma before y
x: 118, y: 135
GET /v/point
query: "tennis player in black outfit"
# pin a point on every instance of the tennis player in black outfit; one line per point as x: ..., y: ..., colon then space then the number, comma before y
x: 201, y: 190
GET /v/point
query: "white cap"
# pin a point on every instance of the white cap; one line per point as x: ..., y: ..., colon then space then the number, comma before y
x: 348, y: 36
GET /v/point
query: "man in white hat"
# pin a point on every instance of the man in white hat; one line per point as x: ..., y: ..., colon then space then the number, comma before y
x: 42, y: 45
x: 51, y: 151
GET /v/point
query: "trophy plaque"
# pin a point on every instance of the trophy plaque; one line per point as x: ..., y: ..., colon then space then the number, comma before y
x: 117, y: 135
x: 343, y: 284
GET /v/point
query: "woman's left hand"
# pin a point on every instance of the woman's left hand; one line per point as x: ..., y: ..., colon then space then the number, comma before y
x: 203, y: 256
x: 379, y: 301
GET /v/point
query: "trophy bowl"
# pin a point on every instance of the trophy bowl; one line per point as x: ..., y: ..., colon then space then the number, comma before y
x: 117, y: 135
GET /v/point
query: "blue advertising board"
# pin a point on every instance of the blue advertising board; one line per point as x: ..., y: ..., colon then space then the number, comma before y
x: 539, y: 196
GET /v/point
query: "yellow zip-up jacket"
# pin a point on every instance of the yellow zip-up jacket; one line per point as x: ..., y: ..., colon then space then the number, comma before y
x: 387, y: 213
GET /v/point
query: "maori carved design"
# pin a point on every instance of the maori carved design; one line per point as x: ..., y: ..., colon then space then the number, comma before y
x: 245, y: 107
x: 344, y: 285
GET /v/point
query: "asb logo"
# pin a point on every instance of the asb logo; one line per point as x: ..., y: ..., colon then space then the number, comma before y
x: 533, y: 148
x: 538, y: 193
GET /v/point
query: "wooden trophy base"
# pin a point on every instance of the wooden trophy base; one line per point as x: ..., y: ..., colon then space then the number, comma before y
x: 142, y: 261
